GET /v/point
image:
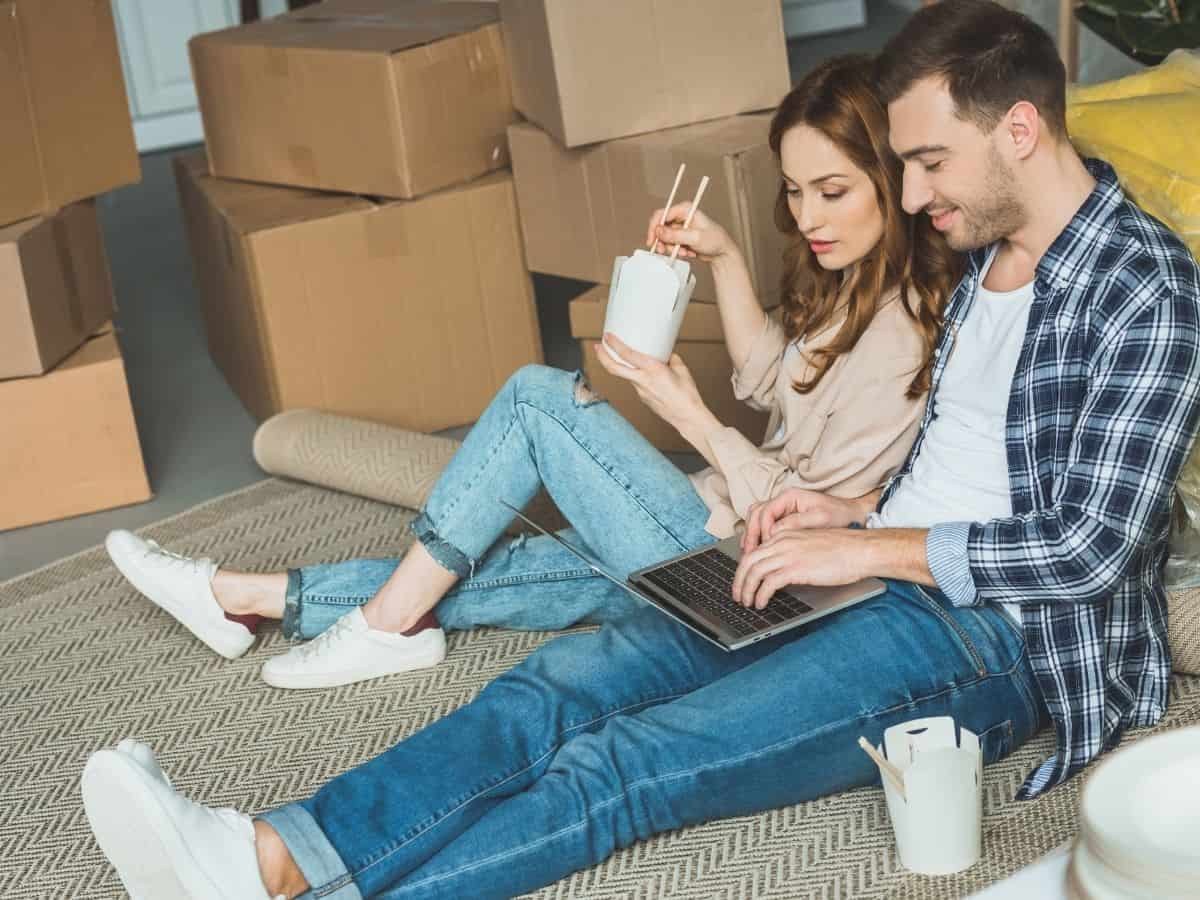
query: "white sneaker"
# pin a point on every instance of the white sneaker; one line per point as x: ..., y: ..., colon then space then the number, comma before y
x: 162, y: 844
x: 144, y: 757
x: 351, y: 650
x: 180, y: 586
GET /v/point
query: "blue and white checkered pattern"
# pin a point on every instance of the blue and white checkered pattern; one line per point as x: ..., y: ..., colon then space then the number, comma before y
x: 1105, y: 404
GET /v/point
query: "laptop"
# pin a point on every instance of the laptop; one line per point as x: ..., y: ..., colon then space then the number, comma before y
x: 696, y: 590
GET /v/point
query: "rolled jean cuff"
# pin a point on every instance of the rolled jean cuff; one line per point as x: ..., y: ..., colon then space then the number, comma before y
x: 291, y: 605
x: 443, y: 552
x: 318, y: 862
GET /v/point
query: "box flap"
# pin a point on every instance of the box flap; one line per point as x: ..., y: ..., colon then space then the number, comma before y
x: 18, y: 343
x: 531, y: 52
x: 22, y: 186
x: 756, y: 181
x: 566, y: 207
x: 369, y: 26
x: 96, y: 350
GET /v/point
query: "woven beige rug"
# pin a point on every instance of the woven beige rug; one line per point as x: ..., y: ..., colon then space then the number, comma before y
x: 85, y: 662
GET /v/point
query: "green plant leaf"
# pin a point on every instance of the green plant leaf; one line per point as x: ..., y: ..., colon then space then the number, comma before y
x: 1105, y: 28
x: 1129, y: 7
x: 1154, y: 39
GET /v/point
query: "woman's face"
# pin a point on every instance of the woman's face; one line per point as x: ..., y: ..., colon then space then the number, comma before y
x: 832, y: 200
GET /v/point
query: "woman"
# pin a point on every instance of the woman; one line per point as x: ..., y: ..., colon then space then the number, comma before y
x: 843, y: 377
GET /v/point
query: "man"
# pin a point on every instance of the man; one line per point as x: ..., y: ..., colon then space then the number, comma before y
x: 1098, y: 416
x: 1024, y: 539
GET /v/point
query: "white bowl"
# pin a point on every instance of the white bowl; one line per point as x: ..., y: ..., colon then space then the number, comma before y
x: 1139, y: 826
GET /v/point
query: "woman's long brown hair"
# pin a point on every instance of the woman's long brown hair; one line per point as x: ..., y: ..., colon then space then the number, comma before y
x: 838, y: 99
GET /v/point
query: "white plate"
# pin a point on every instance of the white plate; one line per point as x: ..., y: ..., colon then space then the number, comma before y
x: 1141, y: 809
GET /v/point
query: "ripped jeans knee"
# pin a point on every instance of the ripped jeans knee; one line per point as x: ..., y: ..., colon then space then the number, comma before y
x: 584, y: 394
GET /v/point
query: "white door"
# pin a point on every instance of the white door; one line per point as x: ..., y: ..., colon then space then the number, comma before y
x: 153, y: 35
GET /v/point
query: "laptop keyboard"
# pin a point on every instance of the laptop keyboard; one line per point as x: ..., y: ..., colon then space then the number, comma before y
x: 705, y: 582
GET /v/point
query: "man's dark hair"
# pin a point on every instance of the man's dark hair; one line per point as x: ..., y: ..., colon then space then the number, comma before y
x: 990, y: 58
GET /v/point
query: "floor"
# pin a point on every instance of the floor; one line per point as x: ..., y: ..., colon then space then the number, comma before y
x: 195, y: 433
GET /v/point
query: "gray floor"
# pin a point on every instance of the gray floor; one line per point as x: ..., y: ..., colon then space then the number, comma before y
x: 195, y: 434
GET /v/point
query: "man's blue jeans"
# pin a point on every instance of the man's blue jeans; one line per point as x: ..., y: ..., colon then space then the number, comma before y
x: 599, y: 739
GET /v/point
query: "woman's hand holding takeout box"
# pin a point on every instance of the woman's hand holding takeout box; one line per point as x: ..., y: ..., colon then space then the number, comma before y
x: 668, y: 389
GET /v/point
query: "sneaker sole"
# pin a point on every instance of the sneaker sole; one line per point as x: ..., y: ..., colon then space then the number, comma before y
x: 306, y: 680
x: 228, y: 647
x: 136, y: 833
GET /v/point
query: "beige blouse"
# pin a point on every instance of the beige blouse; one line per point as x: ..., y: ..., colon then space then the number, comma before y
x: 845, y: 437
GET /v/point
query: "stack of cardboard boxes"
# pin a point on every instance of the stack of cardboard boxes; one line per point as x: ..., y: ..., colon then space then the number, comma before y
x: 617, y: 95
x: 68, y: 444
x: 354, y: 226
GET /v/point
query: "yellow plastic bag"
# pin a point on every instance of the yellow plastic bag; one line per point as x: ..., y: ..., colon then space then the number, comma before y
x: 1180, y: 71
x: 1148, y: 127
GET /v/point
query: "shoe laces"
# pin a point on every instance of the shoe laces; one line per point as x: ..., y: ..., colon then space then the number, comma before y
x: 170, y: 558
x: 327, y: 641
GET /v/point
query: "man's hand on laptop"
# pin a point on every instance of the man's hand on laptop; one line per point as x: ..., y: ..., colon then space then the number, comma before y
x: 821, y: 557
x: 796, y: 508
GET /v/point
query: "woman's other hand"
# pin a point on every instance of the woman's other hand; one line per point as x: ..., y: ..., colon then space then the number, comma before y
x: 668, y: 389
x: 703, y: 239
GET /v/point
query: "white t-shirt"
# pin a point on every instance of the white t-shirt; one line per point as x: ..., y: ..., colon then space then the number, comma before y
x: 961, y: 471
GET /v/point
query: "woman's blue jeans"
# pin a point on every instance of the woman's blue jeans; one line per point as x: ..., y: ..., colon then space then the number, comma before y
x: 628, y: 504
x: 598, y: 739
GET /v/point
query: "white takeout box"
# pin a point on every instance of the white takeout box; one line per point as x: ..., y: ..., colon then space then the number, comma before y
x: 937, y: 820
x: 646, y: 301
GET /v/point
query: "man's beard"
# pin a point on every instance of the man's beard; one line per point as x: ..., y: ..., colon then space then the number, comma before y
x: 998, y: 212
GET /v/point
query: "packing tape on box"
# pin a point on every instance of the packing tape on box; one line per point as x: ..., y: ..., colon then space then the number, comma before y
x: 386, y: 232
x: 66, y: 262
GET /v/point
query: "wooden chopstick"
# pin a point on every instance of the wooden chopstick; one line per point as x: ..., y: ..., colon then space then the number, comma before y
x: 670, y: 200
x: 888, y: 769
x: 691, y: 212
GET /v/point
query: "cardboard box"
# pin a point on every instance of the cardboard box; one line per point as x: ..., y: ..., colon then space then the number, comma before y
x: 63, y: 110
x: 410, y: 313
x: 378, y: 97
x: 55, y: 288
x: 588, y: 71
x: 582, y: 208
x: 69, y: 443
x: 701, y: 344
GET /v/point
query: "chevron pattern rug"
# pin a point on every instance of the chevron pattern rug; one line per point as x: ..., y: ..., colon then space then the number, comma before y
x: 84, y: 662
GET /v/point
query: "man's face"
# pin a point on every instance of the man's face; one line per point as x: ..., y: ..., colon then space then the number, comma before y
x: 953, y: 171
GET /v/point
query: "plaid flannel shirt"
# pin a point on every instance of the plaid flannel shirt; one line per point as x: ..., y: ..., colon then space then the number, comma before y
x: 1104, y: 406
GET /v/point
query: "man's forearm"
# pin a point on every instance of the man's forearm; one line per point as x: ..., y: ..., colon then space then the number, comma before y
x: 896, y: 553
